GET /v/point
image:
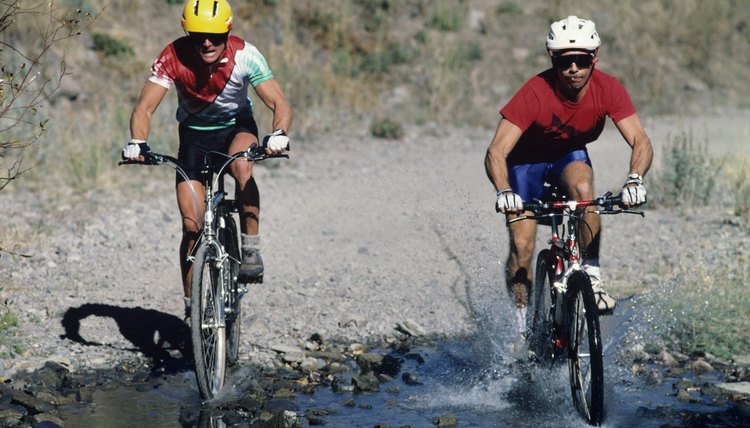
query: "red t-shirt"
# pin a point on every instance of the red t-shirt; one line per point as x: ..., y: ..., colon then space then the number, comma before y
x: 553, y: 126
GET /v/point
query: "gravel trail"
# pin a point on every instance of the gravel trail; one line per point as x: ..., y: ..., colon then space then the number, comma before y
x: 359, y: 234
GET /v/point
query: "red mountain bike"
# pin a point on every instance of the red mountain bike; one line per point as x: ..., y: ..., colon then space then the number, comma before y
x: 564, y: 313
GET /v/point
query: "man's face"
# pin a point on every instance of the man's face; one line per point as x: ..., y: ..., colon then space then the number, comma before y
x: 574, y: 68
x: 209, y: 46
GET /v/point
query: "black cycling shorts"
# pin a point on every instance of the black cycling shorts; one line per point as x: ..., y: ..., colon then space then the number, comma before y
x: 195, y: 144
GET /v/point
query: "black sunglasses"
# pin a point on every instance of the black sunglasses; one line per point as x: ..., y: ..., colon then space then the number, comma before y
x: 215, y: 39
x: 564, y: 62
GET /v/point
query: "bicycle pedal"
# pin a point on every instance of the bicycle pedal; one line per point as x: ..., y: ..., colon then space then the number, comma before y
x: 252, y: 280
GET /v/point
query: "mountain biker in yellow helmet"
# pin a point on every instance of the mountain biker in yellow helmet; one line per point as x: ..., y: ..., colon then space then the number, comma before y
x: 542, y: 137
x: 212, y: 72
x: 213, y: 17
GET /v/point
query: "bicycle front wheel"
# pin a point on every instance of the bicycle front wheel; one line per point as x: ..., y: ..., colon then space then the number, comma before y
x: 208, y: 322
x: 229, y: 239
x: 585, y: 364
x: 542, y: 340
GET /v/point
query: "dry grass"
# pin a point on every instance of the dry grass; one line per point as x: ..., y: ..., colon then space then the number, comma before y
x: 345, y: 63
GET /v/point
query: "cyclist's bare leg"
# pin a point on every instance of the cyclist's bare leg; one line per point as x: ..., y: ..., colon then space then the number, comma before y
x: 191, y: 226
x: 518, y: 274
x: 578, y: 181
x: 247, y: 194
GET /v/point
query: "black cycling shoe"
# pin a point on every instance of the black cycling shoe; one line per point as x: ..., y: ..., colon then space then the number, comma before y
x: 251, y: 268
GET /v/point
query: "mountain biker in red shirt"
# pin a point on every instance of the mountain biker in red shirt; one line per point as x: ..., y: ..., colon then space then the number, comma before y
x: 212, y: 71
x: 542, y: 136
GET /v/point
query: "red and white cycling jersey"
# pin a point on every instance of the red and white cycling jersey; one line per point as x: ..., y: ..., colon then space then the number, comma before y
x: 210, y: 96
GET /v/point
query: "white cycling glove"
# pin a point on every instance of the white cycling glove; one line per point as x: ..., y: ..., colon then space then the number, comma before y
x: 633, y: 191
x: 135, y: 148
x: 507, y: 200
x: 277, y: 141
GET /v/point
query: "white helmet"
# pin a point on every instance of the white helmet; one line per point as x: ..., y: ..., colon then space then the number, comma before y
x: 573, y: 33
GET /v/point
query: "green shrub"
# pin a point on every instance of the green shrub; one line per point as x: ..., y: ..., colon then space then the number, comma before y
x: 739, y: 182
x: 380, y: 62
x: 446, y: 17
x: 687, y: 175
x: 110, y: 46
x: 387, y: 128
x: 510, y: 8
x: 708, y: 312
x: 10, y: 345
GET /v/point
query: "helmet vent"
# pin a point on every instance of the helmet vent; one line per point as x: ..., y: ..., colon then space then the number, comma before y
x: 216, y: 7
x: 195, y: 8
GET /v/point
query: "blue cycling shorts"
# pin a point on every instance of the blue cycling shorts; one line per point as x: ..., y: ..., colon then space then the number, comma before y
x: 527, y: 180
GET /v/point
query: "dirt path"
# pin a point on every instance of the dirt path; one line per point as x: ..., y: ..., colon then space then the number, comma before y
x: 359, y: 234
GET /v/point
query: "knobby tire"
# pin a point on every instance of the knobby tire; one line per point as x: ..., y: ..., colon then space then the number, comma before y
x: 208, y: 322
x: 542, y: 338
x: 585, y: 363
x: 230, y: 241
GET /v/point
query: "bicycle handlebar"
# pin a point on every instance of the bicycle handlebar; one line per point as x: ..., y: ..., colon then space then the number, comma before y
x: 610, y: 204
x: 253, y: 153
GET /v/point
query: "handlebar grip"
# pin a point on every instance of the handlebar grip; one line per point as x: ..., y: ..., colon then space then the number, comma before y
x: 532, y: 206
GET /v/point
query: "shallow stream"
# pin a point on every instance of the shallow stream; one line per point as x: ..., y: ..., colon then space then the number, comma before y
x: 470, y: 380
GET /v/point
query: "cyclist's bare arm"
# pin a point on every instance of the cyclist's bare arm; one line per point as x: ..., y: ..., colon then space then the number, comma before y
x: 506, y: 137
x: 643, y: 152
x: 140, y: 119
x: 271, y: 94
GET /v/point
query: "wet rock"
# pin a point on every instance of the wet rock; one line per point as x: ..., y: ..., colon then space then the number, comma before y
x: 682, y: 358
x: 340, y: 388
x: 411, y: 328
x: 314, y: 343
x: 315, y: 416
x: 667, y: 359
x: 410, y: 379
x: 12, y: 411
x: 369, y: 362
x: 740, y: 389
x: 276, y: 406
x: 448, y: 420
x: 701, y: 366
x: 661, y: 412
x: 653, y: 377
x: 30, y: 402
x: 742, y: 360
x: 366, y: 382
x: 312, y: 364
x: 685, y: 397
x: 51, y: 376
x: 357, y: 348
x: 289, y: 354
x: 390, y: 365
x: 329, y: 355
x: 282, y: 419
x: 336, y: 367
x: 47, y: 420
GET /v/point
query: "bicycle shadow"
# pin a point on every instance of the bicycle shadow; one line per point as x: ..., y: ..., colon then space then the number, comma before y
x: 151, y: 332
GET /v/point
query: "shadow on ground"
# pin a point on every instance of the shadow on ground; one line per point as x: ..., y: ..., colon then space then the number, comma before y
x: 151, y: 332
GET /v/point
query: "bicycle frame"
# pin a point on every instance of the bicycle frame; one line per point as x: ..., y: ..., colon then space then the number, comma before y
x: 565, y: 322
x: 215, y: 310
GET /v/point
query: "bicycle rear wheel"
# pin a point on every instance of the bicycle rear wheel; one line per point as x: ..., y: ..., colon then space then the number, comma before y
x: 585, y: 363
x: 207, y: 321
x: 542, y: 322
x: 230, y: 240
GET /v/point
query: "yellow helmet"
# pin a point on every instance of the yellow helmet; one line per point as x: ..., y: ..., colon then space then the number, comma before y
x: 207, y: 16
